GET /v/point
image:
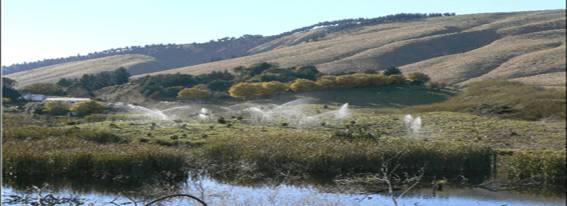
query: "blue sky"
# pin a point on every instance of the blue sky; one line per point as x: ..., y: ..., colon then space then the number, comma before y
x: 37, y: 29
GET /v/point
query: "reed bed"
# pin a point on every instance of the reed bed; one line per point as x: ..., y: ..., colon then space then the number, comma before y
x: 78, y: 159
x: 541, y: 166
x: 274, y: 155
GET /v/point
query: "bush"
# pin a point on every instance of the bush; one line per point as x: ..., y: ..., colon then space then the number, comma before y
x: 253, y: 90
x: 197, y: 92
x: 214, y: 76
x: 258, y: 68
x: 418, y: 78
x: 8, y: 91
x: 327, y: 82
x: 392, y: 71
x: 275, y: 74
x: 307, y: 72
x: 87, y: 107
x: 96, y: 81
x: 358, y: 80
x: 346, y: 81
x: 44, y: 88
x: 219, y: 85
x: 303, y: 85
x: 395, y: 79
x: 245, y: 90
x: 56, y: 107
x: 156, y: 86
x: 273, y: 88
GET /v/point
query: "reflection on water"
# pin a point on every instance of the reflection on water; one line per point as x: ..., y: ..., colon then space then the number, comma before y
x: 216, y: 193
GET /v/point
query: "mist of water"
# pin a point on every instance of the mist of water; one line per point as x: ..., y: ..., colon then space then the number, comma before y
x: 413, y: 125
x: 151, y: 113
x: 293, y: 112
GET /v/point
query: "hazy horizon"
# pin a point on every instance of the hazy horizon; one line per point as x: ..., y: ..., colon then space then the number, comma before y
x: 67, y: 28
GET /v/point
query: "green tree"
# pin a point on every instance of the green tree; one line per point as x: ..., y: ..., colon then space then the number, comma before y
x: 63, y: 82
x: 7, y: 82
x: 120, y: 76
x: 56, y: 107
x: 8, y: 91
x: 307, y: 72
x: 44, y: 88
x: 392, y: 71
x: 87, y: 107
x: 219, y: 85
x: 258, y: 68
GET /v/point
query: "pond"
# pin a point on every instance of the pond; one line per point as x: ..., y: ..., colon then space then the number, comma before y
x: 217, y: 193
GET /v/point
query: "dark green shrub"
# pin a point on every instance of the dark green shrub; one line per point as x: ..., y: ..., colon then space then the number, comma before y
x: 392, y: 71
x: 56, y: 107
x: 45, y: 89
x: 87, y: 107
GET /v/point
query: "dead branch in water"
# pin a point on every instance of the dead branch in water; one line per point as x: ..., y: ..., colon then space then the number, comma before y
x: 176, y: 195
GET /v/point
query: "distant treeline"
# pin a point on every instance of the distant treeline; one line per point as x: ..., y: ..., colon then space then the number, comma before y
x: 346, y: 23
x: 178, y: 55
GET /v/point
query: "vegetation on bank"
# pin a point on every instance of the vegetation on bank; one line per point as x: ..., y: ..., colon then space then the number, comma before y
x: 504, y: 99
x: 304, y: 155
x: 37, y: 152
x: 544, y: 166
x: 82, y: 160
x: 449, y: 144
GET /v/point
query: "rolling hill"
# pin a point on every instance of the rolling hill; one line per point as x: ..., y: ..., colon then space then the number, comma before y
x: 519, y: 46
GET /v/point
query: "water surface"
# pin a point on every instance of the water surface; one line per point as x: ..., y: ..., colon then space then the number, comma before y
x: 217, y: 193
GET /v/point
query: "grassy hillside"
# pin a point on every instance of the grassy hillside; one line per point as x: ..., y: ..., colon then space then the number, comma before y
x: 77, y: 69
x: 504, y: 99
x: 167, y: 56
x: 522, y: 46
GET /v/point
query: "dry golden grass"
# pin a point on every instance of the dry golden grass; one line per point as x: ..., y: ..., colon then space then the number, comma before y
x: 501, y: 54
x: 460, y: 49
x: 77, y: 69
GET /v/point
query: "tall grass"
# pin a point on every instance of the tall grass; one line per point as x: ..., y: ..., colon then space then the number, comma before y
x: 82, y: 160
x: 266, y: 156
x: 540, y: 166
